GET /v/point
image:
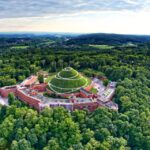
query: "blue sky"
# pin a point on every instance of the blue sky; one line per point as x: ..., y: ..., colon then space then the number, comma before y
x: 112, y: 16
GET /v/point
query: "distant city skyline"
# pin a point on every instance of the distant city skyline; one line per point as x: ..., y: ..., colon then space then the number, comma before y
x: 76, y: 16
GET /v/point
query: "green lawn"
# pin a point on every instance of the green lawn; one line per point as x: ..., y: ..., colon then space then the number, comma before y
x: 50, y: 77
x: 19, y: 47
x: 68, y: 83
x: 102, y: 46
x: 94, y: 91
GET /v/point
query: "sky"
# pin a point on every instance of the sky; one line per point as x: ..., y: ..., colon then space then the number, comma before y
x: 78, y: 16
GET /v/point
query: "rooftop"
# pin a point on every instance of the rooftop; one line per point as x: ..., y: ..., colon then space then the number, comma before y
x: 29, y: 81
x: 85, y: 91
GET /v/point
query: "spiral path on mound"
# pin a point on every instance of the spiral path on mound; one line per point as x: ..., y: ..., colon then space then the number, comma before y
x: 67, y: 81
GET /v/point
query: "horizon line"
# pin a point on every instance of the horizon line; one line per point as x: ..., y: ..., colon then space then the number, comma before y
x: 49, y: 32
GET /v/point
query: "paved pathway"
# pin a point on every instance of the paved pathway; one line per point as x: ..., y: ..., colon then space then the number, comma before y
x: 99, y: 86
x: 3, y: 101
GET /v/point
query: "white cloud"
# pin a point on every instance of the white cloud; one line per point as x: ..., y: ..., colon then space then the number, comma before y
x: 115, y: 16
x: 32, y: 8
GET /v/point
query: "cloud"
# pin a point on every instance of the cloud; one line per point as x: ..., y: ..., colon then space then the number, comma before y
x: 39, y: 8
x: 115, y: 16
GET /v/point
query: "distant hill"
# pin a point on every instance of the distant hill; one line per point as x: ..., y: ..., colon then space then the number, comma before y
x: 79, y: 39
x: 110, y: 39
x: 36, y: 35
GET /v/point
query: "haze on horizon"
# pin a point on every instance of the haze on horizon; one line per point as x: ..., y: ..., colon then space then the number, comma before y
x: 81, y: 16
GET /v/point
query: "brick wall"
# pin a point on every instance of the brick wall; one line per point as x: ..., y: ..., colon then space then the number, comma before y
x: 40, y: 87
x: 28, y: 99
x: 4, y: 92
x: 91, y: 106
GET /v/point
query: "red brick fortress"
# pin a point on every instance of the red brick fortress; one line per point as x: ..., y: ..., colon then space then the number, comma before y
x: 31, y: 93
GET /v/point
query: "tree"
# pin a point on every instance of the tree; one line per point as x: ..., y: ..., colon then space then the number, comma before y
x: 31, y: 136
x: 102, y: 134
x: 60, y: 63
x: 42, y: 141
x: 21, y: 78
x: 92, y: 145
x: 41, y: 78
x: 79, y: 116
x: 87, y: 135
x: 117, y: 143
x: 52, y: 145
x: 14, y: 145
x: 3, y: 143
x: 69, y: 138
x: 126, y: 103
x: 11, y: 98
x: 53, y: 66
x: 24, y: 145
x: 106, y: 82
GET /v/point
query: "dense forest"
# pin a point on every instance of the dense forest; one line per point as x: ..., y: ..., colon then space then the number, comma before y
x: 23, y: 128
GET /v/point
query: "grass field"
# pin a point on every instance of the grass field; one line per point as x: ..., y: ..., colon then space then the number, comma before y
x: 50, y: 78
x: 94, y: 91
x: 19, y: 47
x: 69, y: 83
x: 102, y: 46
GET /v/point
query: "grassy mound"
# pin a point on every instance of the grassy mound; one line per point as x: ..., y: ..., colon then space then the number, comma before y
x: 67, y: 81
x: 68, y: 73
